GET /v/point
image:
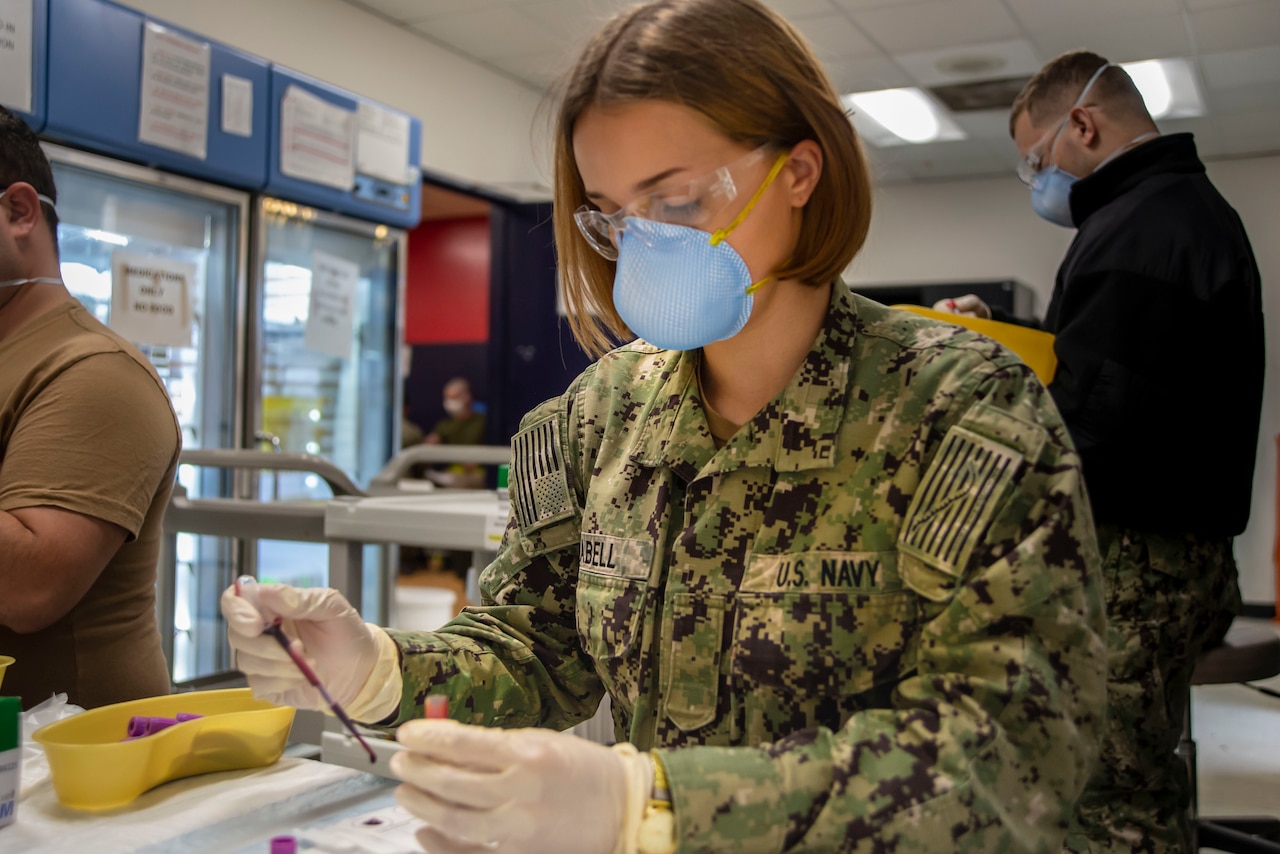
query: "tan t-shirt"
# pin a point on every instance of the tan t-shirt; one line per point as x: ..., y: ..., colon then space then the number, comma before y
x: 86, y: 425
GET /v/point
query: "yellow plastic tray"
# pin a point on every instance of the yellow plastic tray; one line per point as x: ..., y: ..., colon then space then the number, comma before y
x: 1034, y: 346
x: 92, y: 769
x: 5, y: 661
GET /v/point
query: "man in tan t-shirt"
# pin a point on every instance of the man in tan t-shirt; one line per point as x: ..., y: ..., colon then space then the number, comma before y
x: 88, y: 449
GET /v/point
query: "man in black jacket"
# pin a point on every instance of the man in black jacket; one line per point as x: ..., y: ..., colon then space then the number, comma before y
x: 1157, y: 314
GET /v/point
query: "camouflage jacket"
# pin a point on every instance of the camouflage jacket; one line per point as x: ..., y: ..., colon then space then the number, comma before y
x: 871, y: 621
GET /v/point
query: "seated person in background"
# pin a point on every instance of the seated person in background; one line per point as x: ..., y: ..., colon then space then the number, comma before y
x: 1157, y: 318
x: 88, y: 449
x: 464, y: 426
x: 833, y: 563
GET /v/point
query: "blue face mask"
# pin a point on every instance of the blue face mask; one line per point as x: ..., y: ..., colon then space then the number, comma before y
x: 677, y: 290
x: 1051, y: 195
x: 680, y: 288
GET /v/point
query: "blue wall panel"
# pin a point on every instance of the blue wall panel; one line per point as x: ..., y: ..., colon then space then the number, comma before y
x: 94, y: 94
x: 39, y: 65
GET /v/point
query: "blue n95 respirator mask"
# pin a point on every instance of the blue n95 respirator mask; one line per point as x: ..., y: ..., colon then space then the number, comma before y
x: 676, y: 286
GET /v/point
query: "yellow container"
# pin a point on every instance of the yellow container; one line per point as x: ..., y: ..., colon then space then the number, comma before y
x: 93, y: 769
x: 1034, y: 346
x: 5, y: 661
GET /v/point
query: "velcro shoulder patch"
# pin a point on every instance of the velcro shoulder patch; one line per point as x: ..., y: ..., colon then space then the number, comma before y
x: 539, y: 484
x: 961, y: 490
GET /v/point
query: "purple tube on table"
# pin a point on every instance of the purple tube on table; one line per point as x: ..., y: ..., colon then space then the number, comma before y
x: 142, y: 725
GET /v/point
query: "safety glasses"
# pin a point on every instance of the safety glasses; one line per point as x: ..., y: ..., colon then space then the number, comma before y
x: 1030, y: 165
x: 693, y: 204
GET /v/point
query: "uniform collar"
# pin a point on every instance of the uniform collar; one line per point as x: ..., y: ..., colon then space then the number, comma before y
x: 797, y: 430
x: 1174, y: 153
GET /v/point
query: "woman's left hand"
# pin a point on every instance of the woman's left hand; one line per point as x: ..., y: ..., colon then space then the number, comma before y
x: 520, y: 790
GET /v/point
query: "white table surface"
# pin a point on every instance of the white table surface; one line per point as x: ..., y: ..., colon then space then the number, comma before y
x: 229, y: 811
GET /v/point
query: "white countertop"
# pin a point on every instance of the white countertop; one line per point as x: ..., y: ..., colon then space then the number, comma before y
x: 228, y: 811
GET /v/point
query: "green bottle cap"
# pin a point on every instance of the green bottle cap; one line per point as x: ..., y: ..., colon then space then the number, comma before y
x: 10, y: 723
x: 503, y: 471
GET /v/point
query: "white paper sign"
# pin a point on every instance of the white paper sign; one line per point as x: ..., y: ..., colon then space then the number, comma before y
x: 175, y: 92
x: 382, y: 146
x: 495, y: 526
x: 237, y: 105
x: 317, y: 140
x: 332, y: 306
x: 151, y: 299
x: 15, y: 54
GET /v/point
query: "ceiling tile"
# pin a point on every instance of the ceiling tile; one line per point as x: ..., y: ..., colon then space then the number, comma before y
x: 1249, y: 133
x: 1120, y: 41
x: 884, y: 174
x: 1247, y: 99
x: 418, y: 10
x: 1091, y: 15
x: 985, y: 61
x: 791, y: 9
x: 986, y: 165
x: 575, y: 20
x: 539, y: 69
x: 1196, y: 5
x: 834, y: 36
x: 859, y: 5
x: 941, y: 151
x: 1235, y: 27
x: 491, y: 33
x: 1241, y: 67
x: 937, y: 24
x: 991, y: 126
x: 866, y: 74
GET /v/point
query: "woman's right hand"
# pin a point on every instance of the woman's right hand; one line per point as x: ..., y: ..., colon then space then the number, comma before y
x: 341, y: 648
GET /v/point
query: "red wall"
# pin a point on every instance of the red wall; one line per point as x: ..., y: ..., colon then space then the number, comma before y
x: 447, y: 282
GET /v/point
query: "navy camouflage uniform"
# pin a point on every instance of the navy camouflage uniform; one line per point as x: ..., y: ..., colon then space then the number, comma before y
x: 871, y: 621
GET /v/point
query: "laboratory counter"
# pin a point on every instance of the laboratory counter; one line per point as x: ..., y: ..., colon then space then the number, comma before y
x: 327, y: 808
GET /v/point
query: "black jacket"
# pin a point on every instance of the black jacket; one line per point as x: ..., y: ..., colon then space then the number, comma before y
x: 1157, y: 309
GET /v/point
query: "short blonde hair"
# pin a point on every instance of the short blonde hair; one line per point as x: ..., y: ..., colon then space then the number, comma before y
x: 1051, y: 92
x: 753, y: 76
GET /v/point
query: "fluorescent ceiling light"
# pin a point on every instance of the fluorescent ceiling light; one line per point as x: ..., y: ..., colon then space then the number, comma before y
x: 1168, y: 87
x: 900, y: 116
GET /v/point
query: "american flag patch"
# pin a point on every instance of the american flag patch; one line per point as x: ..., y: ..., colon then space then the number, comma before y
x: 540, y: 483
x: 953, y: 506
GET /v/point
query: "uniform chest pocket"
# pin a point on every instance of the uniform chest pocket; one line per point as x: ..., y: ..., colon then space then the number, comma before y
x: 691, y: 668
x: 813, y: 659
x: 610, y: 614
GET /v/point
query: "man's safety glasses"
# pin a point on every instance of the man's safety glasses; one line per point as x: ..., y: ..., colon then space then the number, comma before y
x: 1030, y: 165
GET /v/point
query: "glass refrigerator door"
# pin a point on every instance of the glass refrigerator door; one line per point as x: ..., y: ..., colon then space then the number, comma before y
x: 328, y: 326
x: 104, y: 207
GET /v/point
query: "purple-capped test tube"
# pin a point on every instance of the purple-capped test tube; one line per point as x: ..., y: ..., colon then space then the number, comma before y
x: 143, y: 725
x: 140, y: 725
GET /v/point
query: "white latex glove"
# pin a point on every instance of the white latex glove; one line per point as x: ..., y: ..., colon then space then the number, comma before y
x: 343, y: 650
x: 968, y: 305
x: 522, y: 791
